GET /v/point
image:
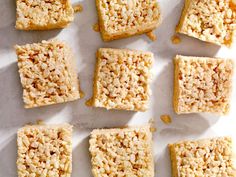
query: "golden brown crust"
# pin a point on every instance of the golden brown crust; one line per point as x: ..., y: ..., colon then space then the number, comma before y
x: 173, y: 160
x: 176, y: 86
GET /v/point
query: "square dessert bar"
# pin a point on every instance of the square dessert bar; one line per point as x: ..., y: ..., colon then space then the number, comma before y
x: 209, y: 20
x: 121, y: 79
x: 203, y: 158
x: 47, y: 73
x: 122, y: 152
x: 43, y: 14
x: 202, y: 84
x: 120, y: 19
x: 45, y: 150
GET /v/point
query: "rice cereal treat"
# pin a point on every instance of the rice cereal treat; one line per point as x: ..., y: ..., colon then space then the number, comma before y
x: 202, y: 84
x: 121, y: 79
x: 122, y: 152
x: 43, y: 14
x: 209, y: 20
x: 47, y: 73
x: 125, y: 18
x: 45, y: 150
x: 203, y: 158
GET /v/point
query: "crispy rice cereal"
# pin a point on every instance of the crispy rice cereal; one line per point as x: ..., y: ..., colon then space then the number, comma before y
x: 120, y: 19
x: 43, y: 14
x: 202, y: 84
x: 203, y: 158
x: 209, y: 20
x: 122, y: 152
x: 47, y: 73
x: 122, y: 79
x: 45, y: 150
x: 96, y: 27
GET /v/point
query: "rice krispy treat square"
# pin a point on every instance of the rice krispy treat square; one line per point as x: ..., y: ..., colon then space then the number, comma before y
x: 45, y: 150
x: 202, y: 84
x: 209, y: 20
x: 122, y: 152
x: 203, y: 158
x: 47, y: 72
x: 122, y: 79
x: 121, y: 19
x: 43, y: 14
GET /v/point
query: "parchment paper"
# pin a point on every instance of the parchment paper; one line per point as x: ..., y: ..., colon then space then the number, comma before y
x: 84, y: 42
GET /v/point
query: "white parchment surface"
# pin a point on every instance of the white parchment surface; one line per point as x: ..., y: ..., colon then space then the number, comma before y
x: 84, y: 42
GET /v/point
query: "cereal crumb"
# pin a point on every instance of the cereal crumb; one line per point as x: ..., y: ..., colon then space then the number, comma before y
x: 166, y: 119
x: 81, y: 94
x: 96, y: 27
x: 28, y: 124
x: 153, y: 129
x: 175, y: 39
x: 40, y: 122
x: 152, y: 125
x: 89, y: 102
x: 151, y: 35
x: 78, y: 8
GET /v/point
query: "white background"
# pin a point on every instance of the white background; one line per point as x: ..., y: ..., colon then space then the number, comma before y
x: 84, y: 42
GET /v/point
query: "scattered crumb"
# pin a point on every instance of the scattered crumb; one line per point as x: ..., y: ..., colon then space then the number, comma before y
x: 151, y: 36
x: 96, y: 27
x: 166, y: 119
x: 28, y: 124
x: 151, y: 121
x: 40, y: 122
x: 78, y: 8
x: 81, y: 94
x: 175, y: 39
x: 152, y: 125
x: 153, y: 129
x: 89, y: 102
